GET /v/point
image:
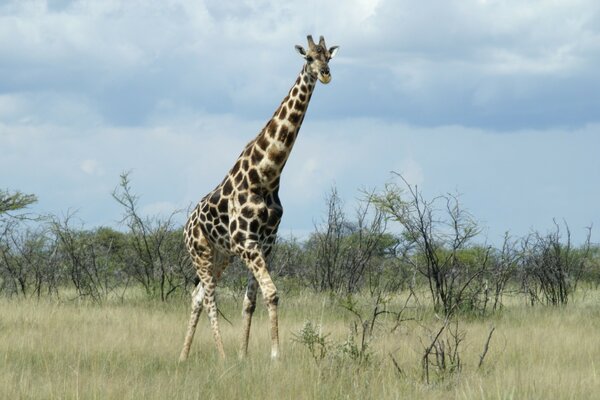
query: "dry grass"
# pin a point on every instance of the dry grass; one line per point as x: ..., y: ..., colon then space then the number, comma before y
x: 57, y: 350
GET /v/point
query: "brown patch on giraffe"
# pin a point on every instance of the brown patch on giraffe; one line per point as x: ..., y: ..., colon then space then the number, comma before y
x: 247, y: 212
x: 223, y: 204
x: 238, y: 178
x: 227, y: 188
x: 239, y: 237
x: 290, y: 138
x: 243, y: 224
x: 299, y: 106
x: 302, y: 97
x: 253, y: 176
x: 243, y: 184
x: 283, y: 112
x: 270, y: 173
x: 233, y: 226
x: 245, y: 165
x: 256, y: 157
x: 303, y: 88
x: 256, y: 198
x: 294, y: 118
x: 272, y: 129
x: 246, y: 181
x: 221, y: 229
x: 283, y: 133
x: 277, y: 156
x: 274, y: 217
x: 263, y: 215
x: 262, y: 142
x: 295, y: 91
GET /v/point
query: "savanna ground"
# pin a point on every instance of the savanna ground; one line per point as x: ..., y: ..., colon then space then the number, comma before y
x: 128, y: 349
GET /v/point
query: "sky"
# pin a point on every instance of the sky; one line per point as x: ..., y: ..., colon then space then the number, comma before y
x: 497, y: 101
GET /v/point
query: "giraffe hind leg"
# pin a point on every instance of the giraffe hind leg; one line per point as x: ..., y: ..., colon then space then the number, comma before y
x: 197, y: 300
x: 209, y: 266
x: 247, y: 311
x: 209, y: 282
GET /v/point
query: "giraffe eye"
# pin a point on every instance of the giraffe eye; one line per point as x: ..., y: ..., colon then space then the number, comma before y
x: 309, y: 59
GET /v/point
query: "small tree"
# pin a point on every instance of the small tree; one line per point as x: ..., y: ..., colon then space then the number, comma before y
x: 436, y: 243
x: 18, y: 245
x: 80, y: 259
x: 551, y: 267
x: 503, y: 268
x: 342, y: 252
x: 155, y: 257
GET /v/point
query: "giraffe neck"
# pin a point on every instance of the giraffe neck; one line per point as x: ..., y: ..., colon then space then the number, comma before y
x: 269, y: 151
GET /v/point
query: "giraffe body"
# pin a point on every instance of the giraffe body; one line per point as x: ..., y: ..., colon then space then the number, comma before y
x: 240, y: 217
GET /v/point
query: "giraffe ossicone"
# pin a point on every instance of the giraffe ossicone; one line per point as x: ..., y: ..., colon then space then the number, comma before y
x: 241, y: 215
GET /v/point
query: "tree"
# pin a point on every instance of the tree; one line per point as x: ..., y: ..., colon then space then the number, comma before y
x: 342, y: 251
x: 436, y: 242
x: 15, y: 201
x: 156, y: 257
x: 551, y: 267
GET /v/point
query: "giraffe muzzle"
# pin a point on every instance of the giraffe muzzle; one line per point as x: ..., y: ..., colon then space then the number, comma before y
x: 325, y: 78
x: 324, y: 74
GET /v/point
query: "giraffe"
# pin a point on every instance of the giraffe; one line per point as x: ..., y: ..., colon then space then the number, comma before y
x: 241, y: 215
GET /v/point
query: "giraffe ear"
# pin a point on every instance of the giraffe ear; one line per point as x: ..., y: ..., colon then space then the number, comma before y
x: 333, y: 51
x: 300, y: 50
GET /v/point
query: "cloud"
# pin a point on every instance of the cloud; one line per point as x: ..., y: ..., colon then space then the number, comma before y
x: 497, y: 100
x: 91, y: 167
x: 429, y: 63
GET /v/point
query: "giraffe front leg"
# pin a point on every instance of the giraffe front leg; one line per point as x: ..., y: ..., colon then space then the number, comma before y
x: 247, y: 311
x: 255, y: 261
x: 197, y: 299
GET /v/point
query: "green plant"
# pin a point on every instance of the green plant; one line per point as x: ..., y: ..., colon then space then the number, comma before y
x: 312, y: 337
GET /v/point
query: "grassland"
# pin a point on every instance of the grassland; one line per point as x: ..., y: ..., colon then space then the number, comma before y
x: 53, y: 349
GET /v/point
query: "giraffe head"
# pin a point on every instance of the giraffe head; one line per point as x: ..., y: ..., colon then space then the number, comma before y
x: 317, y: 58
